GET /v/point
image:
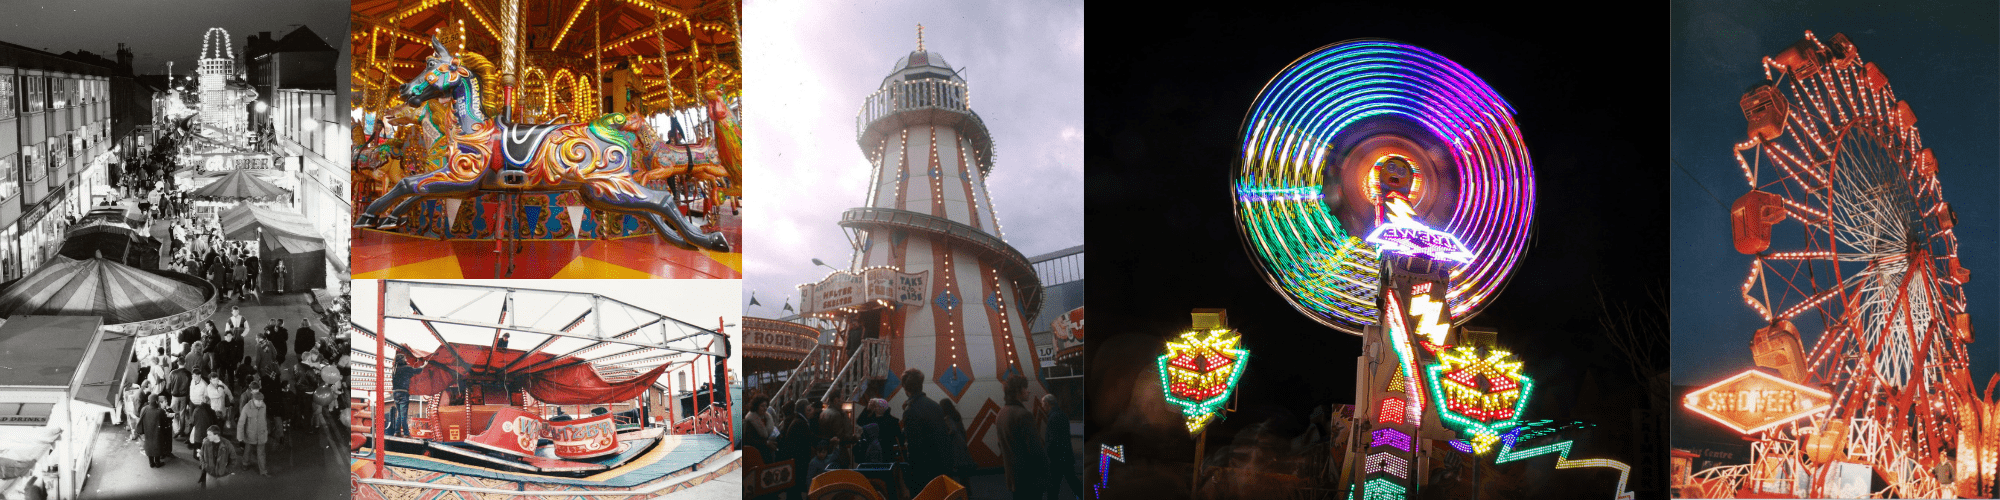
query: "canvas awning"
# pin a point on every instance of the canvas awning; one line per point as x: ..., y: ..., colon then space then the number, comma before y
x: 285, y: 231
x: 99, y: 287
x: 549, y: 378
x: 240, y: 185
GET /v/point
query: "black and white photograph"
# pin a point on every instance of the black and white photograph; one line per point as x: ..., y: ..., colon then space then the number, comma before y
x: 173, y: 310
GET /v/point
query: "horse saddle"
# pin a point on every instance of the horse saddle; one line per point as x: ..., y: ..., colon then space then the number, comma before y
x: 513, y: 179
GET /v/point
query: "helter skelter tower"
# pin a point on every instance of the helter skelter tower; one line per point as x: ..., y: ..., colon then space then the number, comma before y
x: 937, y: 282
x: 221, y: 107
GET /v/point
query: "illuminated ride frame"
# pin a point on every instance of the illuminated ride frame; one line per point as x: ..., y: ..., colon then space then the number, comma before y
x: 1869, y: 262
x: 558, y: 110
x: 485, y: 410
x: 1385, y: 191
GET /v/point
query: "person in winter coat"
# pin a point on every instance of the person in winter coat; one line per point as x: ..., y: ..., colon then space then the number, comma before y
x: 204, y: 416
x: 253, y: 428
x: 157, y: 423
x: 1021, y: 442
x: 1062, y: 457
x: 923, y: 427
x: 219, y: 398
x: 218, y: 457
x: 958, y: 459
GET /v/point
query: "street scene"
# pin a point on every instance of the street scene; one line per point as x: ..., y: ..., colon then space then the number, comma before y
x: 173, y: 316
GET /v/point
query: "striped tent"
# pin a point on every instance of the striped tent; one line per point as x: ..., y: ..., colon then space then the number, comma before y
x: 285, y: 231
x: 98, y: 287
x: 240, y: 185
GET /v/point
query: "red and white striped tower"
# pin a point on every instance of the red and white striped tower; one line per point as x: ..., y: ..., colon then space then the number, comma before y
x: 928, y: 213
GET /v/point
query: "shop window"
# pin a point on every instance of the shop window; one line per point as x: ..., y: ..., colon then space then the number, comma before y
x: 10, y: 183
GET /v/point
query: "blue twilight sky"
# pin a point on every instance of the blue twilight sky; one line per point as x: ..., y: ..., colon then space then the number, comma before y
x: 1941, y: 59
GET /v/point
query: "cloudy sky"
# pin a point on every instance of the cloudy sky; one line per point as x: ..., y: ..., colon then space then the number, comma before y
x: 813, y: 63
x: 159, y: 31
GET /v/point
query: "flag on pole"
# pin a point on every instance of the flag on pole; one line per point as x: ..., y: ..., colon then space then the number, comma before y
x: 753, y: 298
x: 788, y: 305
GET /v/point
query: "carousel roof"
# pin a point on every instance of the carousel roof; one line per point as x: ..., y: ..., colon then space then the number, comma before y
x: 394, y: 35
x: 98, y: 287
x: 239, y: 185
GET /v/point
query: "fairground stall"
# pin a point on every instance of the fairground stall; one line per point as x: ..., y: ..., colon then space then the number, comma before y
x: 537, y: 389
x: 630, y: 167
x: 62, y: 381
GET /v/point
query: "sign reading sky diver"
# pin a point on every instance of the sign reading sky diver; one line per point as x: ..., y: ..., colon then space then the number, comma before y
x: 843, y: 289
x: 1200, y: 371
x: 516, y: 432
x: 1754, y: 401
x: 1403, y: 234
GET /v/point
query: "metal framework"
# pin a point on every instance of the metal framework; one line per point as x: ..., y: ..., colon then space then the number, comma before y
x: 1852, y: 245
x: 575, y: 327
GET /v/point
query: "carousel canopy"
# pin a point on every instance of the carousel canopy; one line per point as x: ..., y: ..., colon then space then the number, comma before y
x: 694, y: 37
x: 240, y: 185
x: 285, y: 231
x: 98, y: 287
x: 550, y: 378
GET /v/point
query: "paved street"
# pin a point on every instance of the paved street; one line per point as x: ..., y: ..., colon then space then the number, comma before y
x: 304, y: 470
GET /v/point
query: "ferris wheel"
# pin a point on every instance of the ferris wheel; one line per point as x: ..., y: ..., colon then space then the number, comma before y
x: 1851, y: 238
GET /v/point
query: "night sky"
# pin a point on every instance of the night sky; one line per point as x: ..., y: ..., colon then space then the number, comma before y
x: 1165, y: 114
x: 159, y: 31
x: 1939, y: 59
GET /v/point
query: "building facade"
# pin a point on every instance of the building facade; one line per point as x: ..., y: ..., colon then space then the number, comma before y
x: 56, y: 141
x: 304, y: 114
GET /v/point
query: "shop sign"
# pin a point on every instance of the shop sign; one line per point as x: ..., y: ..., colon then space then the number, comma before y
x: 1754, y: 401
x: 843, y: 289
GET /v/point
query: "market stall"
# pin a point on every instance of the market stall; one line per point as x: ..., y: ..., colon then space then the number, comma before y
x: 61, y: 386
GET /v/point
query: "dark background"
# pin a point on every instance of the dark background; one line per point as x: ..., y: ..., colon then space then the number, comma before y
x: 1939, y: 58
x: 1167, y: 93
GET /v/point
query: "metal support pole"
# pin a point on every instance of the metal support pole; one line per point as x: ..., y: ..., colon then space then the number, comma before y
x: 381, y: 302
x: 1200, y: 442
x: 729, y: 423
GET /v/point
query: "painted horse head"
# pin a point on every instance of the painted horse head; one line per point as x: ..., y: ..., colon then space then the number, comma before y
x: 443, y: 76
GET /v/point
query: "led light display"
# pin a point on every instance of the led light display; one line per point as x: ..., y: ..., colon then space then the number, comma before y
x: 1754, y: 401
x: 1479, y: 395
x: 1325, y: 104
x: 1388, y: 464
x: 1199, y: 371
x: 1106, y: 454
x: 1404, y: 234
x: 1389, y: 437
x: 1382, y: 489
x: 1561, y: 451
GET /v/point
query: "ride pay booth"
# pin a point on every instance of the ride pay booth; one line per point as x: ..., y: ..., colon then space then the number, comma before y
x: 60, y: 385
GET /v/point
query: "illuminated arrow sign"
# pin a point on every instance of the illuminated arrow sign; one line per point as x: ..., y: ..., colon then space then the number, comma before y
x: 1401, y: 233
x: 1754, y: 401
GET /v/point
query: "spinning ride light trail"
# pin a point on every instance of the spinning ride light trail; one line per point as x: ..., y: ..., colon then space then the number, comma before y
x: 1309, y: 185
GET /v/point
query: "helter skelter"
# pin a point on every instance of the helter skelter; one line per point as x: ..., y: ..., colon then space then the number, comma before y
x: 1851, y: 243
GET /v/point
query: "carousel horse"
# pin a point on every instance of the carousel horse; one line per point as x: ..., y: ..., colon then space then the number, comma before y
x: 711, y: 159
x: 596, y: 160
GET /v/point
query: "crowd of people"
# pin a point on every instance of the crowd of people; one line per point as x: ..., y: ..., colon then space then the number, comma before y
x: 929, y: 440
x: 200, y: 249
x: 230, y: 392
